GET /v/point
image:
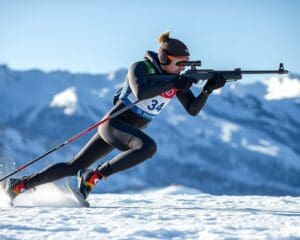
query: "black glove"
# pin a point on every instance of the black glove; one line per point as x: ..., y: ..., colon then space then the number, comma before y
x: 217, y: 81
x: 182, y: 83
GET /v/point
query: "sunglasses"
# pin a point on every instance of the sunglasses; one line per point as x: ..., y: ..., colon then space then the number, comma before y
x: 177, y: 60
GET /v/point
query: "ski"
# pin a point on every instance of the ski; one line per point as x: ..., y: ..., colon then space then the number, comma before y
x: 77, y: 195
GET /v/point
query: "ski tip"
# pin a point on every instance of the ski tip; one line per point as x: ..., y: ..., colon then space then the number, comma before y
x: 81, y: 201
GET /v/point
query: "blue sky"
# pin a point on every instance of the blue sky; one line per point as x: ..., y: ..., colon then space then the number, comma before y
x: 101, y: 36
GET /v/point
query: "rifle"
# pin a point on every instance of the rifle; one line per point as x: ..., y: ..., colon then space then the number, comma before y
x: 196, y: 74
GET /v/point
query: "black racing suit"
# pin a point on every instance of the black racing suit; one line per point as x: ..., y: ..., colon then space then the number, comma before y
x: 123, y: 132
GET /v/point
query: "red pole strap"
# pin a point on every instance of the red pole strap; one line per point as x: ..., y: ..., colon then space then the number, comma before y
x: 21, y: 168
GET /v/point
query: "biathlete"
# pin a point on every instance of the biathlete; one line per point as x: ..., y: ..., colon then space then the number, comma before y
x: 125, y: 131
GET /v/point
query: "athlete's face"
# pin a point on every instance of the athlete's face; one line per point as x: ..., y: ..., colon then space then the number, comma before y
x: 172, y: 68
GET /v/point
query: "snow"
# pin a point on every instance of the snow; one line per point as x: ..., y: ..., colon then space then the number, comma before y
x: 227, y: 129
x: 265, y: 147
x: 280, y: 88
x: 66, y: 99
x: 111, y: 75
x: 243, y: 142
x: 101, y: 93
x: 174, y: 212
x: 217, y: 91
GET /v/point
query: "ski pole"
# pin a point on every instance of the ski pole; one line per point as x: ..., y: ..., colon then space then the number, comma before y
x: 72, y: 139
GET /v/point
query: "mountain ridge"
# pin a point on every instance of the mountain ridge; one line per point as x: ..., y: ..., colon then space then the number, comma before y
x: 239, y: 135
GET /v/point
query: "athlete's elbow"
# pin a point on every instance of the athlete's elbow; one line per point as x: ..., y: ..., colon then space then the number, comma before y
x: 194, y: 112
x: 194, y: 109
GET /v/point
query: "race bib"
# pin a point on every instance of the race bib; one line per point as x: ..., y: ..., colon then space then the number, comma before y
x: 151, y: 107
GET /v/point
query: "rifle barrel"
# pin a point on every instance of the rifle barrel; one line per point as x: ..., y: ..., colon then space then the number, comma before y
x: 264, y: 72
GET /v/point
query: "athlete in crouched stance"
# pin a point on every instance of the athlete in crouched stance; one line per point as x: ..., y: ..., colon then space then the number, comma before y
x: 125, y: 131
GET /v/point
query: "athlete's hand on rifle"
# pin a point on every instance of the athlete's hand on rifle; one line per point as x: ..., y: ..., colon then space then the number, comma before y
x: 183, y: 83
x: 217, y: 81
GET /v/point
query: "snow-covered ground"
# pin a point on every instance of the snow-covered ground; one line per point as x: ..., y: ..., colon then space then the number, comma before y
x: 173, y: 212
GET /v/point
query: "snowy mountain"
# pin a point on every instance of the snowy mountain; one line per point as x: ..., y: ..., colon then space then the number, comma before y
x: 245, y: 141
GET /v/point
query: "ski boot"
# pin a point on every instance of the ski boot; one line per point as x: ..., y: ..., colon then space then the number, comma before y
x: 87, y: 179
x: 14, y: 187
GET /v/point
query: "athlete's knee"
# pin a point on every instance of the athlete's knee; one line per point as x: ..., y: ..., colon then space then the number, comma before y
x: 71, y: 168
x: 147, y: 146
x: 151, y: 148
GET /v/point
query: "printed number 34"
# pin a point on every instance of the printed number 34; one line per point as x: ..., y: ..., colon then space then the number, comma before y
x: 154, y: 105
